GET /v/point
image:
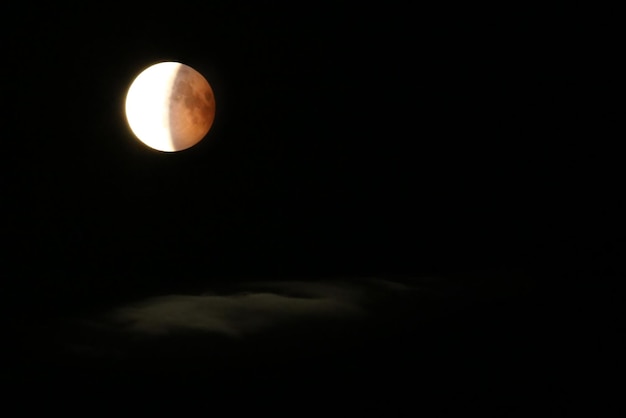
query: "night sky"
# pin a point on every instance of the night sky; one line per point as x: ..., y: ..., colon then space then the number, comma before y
x: 402, y: 210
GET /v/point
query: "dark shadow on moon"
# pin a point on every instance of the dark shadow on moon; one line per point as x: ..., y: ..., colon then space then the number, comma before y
x: 192, y: 108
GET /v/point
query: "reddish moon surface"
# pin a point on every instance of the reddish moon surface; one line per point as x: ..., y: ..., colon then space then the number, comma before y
x: 170, y: 106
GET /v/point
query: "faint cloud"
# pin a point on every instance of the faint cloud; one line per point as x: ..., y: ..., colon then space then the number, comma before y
x: 268, y: 304
x: 272, y: 314
x: 258, y: 306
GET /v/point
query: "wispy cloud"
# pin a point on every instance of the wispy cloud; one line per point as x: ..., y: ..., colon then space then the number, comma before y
x: 268, y: 304
x: 270, y: 314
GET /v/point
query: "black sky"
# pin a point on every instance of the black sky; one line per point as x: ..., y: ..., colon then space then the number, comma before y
x: 476, y: 145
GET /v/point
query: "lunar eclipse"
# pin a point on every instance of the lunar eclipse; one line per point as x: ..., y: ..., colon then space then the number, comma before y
x: 170, y: 107
x: 418, y: 214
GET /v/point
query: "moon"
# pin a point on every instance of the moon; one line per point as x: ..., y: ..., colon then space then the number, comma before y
x: 170, y: 106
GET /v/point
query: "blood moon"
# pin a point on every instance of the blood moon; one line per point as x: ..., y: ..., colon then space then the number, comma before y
x: 170, y: 106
